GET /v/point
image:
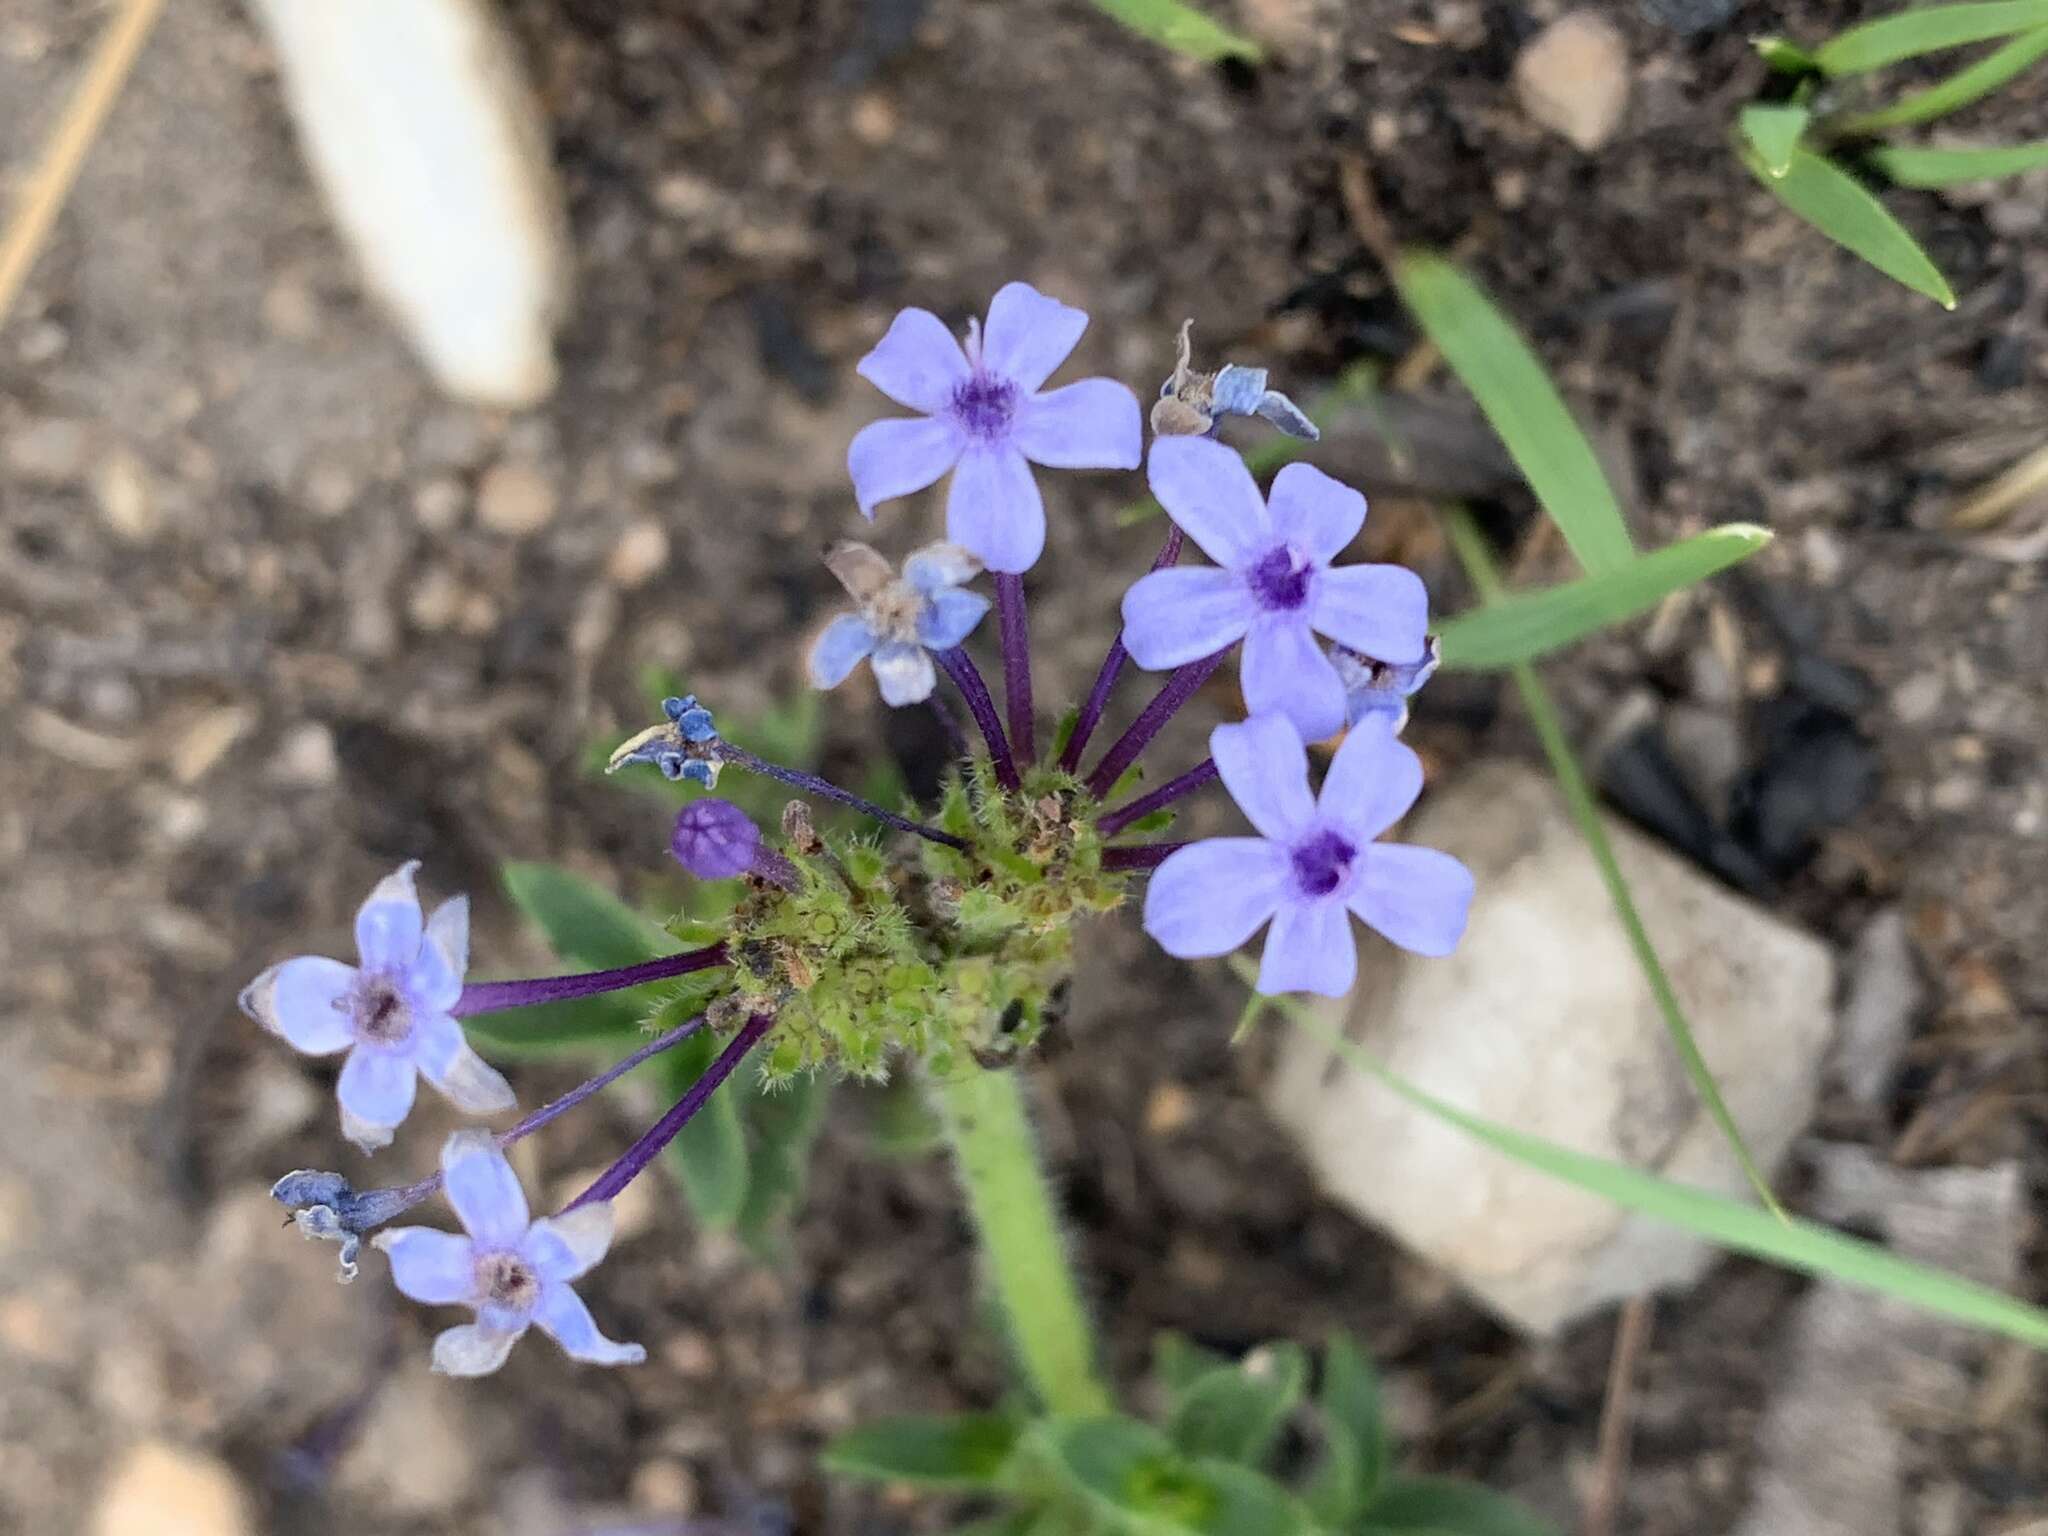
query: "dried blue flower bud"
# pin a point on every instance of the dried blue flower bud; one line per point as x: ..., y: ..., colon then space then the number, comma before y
x: 1191, y: 402
x: 686, y: 748
x: 325, y: 1206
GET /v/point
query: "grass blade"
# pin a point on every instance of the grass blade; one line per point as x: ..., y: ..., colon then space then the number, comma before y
x: 1959, y: 90
x: 1945, y: 167
x: 1843, y: 209
x: 1183, y: 29
x: 1774, y: 131
x: 1803, y: 1246
x: 1526, y: 625
x: 1471, y: 551
x: 1926, y: 29
x: 1492, y: 361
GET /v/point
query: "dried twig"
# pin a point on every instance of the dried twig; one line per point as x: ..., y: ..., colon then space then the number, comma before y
x: 1617, y: 1414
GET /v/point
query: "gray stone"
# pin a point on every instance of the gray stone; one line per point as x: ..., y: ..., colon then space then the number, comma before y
x: 1885, y: 993
x: 1542, y: 1021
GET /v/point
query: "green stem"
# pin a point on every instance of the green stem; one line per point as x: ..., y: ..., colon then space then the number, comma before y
x: 986, y: 1123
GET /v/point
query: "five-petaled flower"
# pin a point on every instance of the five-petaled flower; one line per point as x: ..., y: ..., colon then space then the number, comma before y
x: 1314, y: 861
x: 901, y: 619
x: 1273, y: 585
x: 513, y: 1270
x: 391, y: 1013
x: 985, y: 420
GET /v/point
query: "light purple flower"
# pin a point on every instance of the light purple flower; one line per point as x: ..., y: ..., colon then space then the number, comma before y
x: 901, y: 619
x: 1273, y: 585
x: 985, y: 419
x: 1373, y: 687
x: 513, y: 1271
x: 390, y: 1013
x: 1313, y: 862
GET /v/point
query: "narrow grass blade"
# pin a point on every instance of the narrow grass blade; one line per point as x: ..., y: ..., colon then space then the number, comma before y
x: 1526, y: 625
x: 1521, y: 404
x: 1774, y: 131
x: 1926, y: 29
x: 1803, y: 1246
x: 1843, y: 209
x: 1959, y: 90
x: 1472, y: 553
x: 1783, y: 57
x: 1945, y: 167
x: 1183, y: 29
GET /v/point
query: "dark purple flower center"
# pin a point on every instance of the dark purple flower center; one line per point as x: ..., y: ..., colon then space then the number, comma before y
x: 382, y: 1014
x: 507, y: 1280
x: 1280, y: 579
x: 984, y: 405
x: 1321, y: 863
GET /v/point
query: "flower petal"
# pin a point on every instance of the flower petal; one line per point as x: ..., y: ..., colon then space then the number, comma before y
x: 571, y: 1244
x: 388, y: 925
x: 938, y: 566
x: 465, y: 1079
x: 1211, y: 896
x: 1382, y: 610
x: 1284, y: 670
x: 1028, y: 335
x: 1175, y: 616
x: 949, y: 617
x: 483, y: 1189
x: 1207, y: 490
x: 917, y: 362
x: 1372, y: 781
x: 376, y: 1092
x: 1314, y: 513
x: 305, y: 1001
x: 1417, y: 897
x: 472, y: 1349
x: 436, y: 977
x: 1094, y: 424
x: 993, y: 509
x: 1265, y: 767
x: 437, y: 1268
x: 840, y: 647
x: 904, y: 673
x: 1310, y: 950
x: 563, y: 1317
x: 895, y: 457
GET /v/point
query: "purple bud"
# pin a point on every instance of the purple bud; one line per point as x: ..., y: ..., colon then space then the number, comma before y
x: 715, y: 840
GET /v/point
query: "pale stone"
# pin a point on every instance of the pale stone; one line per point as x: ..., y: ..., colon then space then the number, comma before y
x: 1542, y: 1021
x: 127, y: 501
x: 168, y: 1491
x: 1573, y: 78
x: 417, y: 1455
x: 515, y: 500
x: 639, y: 556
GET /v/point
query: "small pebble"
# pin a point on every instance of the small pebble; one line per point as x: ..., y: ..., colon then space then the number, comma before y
x: 166, y: 1490
x: 639, y: 555
x: 127, y: 503
x: 665, y: 1487
x: 306, y: 756
x: 438, y: 504
x: 516, y: 500
x: 1573, y: 78
x: 209, y: 739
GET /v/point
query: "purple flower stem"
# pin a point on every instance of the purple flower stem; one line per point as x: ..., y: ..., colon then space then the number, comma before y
x: 488, y: 996
x: 1180, y: 687
x: 1112, y: 667
x: 670, y: 1125
x: 1145, y: 856
x: 1115, y: 821
x: 1016, y: 629
x: 824, y: 789
x: 960, y: 667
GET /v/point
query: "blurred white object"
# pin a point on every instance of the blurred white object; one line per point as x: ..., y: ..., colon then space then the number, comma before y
x: 430, y: 146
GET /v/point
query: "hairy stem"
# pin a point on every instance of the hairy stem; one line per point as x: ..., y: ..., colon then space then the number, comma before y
x: 1166, y: 703
x: 487, y: 996
x: 1112, y: 666
x: 1113, y: 822
x: 986, y: 1123
x: 825, y: 789
x: 1016, y: 630
x: 959, y: 666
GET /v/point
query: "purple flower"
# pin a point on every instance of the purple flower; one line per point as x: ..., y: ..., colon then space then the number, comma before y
x: 715, y: 840
x: 1275, y: 588
x: 1373, y: 687
x: 985, y: 419
x: 900, y: 621
x: 514, y: 1271
x: 390, y: 1013
x: 1313, y: 861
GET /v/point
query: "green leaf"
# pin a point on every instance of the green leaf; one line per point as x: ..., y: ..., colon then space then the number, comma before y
x: 1356, y: 1451
x: 1526, y: 625
x: 1843, y: 209
x: 583, y: 923
x: 1522, y: 405
x: 1959, y: 90
x: 1783, y: 57
x: 709, y: 1155
x: 1442, y: 1506
x: 781, y: 1123
x: 1183, y: 29
x: 557, y: 1029
x: 1130, y: 1478
x: 1180, y: 1364
x: 1926, y: 29
x: 1803, y: 1246
x: 1472, y: 553
x: 1946, y: 167
x: 1775, y: 129
x: 967, y: 1450
x: 1236, y: 1413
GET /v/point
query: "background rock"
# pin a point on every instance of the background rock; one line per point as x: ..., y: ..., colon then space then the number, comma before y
x: 164, y: 1490
x: 1573, y: 78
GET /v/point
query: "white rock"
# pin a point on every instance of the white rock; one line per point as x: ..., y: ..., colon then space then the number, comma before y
x: 1573, y: 78
x: 168, y: 1491
x: 1542, y: 1021
x: 1885, y: 992
x: 431, y: 149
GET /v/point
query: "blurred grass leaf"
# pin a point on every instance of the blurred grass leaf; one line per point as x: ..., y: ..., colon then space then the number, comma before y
x: 1183, y: 29
x: 589, y: 1025
x: 1774, y: 130
x: 1783, y: 56
x: 1442, y: 1506
x: 782, y: 1122
x: 1525, y: 625
x: 1959, y: 90
x: 710, y: 1155
x: 1132, y: 1481
x: 1235, y: 1413
x: 1911, y: 167
x: 1356, y: 1450
x: 1926, y: 29
x: 966, y: 1450
x: 1492, y: 361
x: 1846, y: 211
